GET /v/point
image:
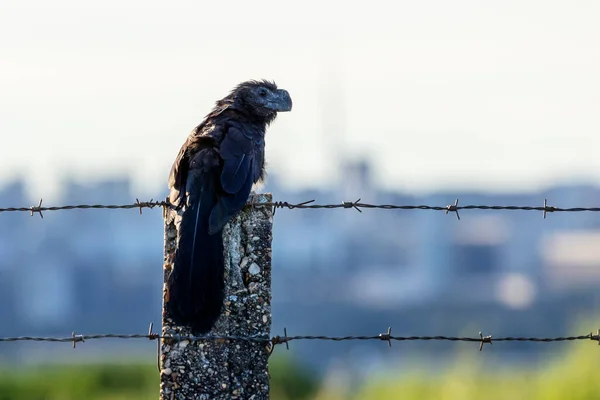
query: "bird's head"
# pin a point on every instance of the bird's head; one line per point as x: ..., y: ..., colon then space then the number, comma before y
x: 261, y: 99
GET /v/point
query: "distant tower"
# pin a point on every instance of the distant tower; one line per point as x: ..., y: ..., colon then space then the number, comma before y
x: 356, y: 179
x: 331, y: 96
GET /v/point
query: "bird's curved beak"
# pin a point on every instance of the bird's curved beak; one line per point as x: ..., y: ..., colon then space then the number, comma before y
x: 281, y: 101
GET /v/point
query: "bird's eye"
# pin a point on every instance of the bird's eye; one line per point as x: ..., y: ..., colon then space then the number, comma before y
x: 262, y: 93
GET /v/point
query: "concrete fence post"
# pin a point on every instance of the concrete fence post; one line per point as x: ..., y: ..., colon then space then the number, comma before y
x: 225, y: 369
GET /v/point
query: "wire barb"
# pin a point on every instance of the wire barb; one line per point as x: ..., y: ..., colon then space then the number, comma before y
x: 275, y: 340
x: 38, y: 209
x: 484, y: 339
x: 76, y: 338
x: 137, y: 201
x: 387, y: 336
x: 548, y: 208
x: 352, y: 204
x: 152, y: 336
x: 453, y: 208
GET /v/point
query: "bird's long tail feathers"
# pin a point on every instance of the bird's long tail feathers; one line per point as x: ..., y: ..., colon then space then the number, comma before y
x: 196, y: 283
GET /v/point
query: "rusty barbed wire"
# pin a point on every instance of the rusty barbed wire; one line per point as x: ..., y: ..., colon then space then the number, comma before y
x: 356, y: 205
x: 285, y: 339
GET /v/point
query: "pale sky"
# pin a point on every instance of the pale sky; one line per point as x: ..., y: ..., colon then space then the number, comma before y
x: 462, y: 94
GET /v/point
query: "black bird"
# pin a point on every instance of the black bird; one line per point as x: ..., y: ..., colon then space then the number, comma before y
x: 211, y: 180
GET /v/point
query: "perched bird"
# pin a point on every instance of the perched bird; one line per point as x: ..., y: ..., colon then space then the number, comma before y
x: 210, y: 181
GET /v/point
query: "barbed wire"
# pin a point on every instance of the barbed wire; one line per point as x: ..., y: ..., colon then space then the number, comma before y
x: 39, y: 208
x: 285, y: 339
x: 356, y: 205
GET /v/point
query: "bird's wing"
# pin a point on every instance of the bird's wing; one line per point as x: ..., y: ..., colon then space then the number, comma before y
x: 238, y: 154
x: 203, y: 136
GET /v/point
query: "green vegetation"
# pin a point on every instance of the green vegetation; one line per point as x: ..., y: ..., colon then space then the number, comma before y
x: 569, y: 377
x: 92, y: 382
x: 572, y: 376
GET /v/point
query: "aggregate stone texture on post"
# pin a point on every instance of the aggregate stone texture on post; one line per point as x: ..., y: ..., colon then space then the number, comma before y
x: 225, y: 369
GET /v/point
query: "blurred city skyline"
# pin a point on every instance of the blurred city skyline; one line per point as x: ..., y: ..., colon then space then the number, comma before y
x: 437, y: 95
x: 333, y: 271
